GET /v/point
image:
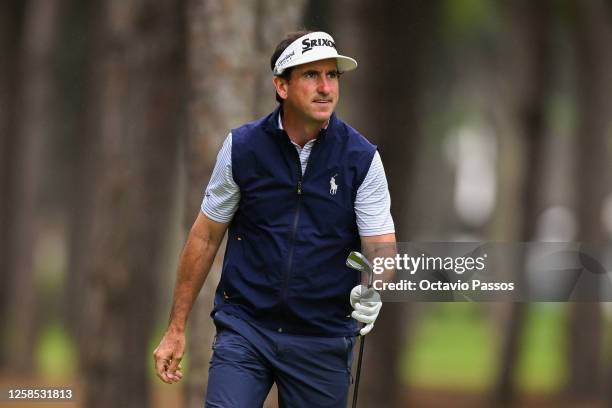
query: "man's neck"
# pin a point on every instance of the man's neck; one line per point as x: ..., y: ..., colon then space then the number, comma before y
x: 298, y: 130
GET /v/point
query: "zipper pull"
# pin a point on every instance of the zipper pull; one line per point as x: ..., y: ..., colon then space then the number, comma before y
x: 299, y: 187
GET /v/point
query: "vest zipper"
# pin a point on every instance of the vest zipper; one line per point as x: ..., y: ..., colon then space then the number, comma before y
x: 296, y: 218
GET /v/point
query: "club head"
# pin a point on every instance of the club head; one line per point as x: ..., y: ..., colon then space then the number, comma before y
x: 356, y: 260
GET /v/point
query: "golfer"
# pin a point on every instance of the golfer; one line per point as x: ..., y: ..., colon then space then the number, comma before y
x: 298, y: 189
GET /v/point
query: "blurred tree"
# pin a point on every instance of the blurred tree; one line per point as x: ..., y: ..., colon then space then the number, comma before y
x: 318, y: 16
x: 35, y: 122
x: 230, y: 45
x: 593, y: 36
x: 527, y: 70
x: 75, y: 152
x: 221, y: 56
x: 136, y: 105
x: 11, y: 20
x: 392, y: 42
x: 275, y: 18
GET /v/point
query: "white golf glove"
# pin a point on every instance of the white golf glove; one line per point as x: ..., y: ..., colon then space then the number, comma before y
x: 367, y: 307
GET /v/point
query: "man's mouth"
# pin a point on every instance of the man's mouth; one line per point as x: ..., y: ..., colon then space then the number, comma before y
x: 322, y: 101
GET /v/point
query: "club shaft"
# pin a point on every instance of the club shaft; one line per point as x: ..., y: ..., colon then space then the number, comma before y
x: 356, y: 388
x: 360, y: 357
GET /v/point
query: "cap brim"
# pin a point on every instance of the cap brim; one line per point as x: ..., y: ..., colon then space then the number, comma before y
x: 344, y: 63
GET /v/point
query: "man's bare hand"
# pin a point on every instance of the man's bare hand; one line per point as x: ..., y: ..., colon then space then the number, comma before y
x: 168, y: 357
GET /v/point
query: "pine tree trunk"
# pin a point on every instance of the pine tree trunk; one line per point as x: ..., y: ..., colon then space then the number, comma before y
x: 382, y: 99
x: 79, y: 151
x: 530, y: 65
x: 274, y: 19
x: 229, y: 48
x: 136, y: 106
x: 36, y: 113
x: 594, y: 143
x: 11, y: 20
x: 222, y: 84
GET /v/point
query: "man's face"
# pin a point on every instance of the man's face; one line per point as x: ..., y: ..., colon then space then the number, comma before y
x: 313, y: 90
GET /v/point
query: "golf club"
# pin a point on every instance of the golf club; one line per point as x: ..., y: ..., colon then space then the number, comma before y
x: 357, y: 261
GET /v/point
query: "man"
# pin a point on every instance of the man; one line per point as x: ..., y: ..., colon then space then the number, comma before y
x: 299, y: 189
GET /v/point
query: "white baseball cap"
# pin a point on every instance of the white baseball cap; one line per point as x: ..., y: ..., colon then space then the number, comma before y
x: 312, y: 47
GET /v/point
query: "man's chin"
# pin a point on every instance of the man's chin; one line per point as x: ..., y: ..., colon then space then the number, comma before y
x: 322, y: 116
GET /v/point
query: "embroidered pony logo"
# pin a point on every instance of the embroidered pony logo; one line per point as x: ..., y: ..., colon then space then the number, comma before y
x: 333, y: 187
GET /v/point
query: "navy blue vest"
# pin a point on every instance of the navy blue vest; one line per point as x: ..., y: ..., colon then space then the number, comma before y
x: 284, y: 266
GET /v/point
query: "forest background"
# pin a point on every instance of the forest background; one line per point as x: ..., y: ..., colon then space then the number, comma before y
x: 493, y: 119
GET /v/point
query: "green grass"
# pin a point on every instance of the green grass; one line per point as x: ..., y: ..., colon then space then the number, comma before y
x: 455, y: 346
x: 542, y: 365
x: 450, y: 348
x: 55, y: 353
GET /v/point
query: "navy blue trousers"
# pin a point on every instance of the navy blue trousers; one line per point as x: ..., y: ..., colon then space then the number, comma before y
x: 308, y: 371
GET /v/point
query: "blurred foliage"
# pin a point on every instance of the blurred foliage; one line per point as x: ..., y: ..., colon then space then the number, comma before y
x: 468, y: 17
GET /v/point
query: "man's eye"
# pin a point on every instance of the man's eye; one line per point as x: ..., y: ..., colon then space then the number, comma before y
x: 333, y: 74
x: 310, y: 75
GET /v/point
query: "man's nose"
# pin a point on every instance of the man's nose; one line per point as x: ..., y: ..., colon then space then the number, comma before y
x: 324, y: 85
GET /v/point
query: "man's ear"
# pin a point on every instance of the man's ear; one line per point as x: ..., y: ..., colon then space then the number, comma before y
x: 281, y: 86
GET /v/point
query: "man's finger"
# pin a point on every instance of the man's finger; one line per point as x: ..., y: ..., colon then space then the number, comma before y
x: 362, y: 317
x: 160, y: 370
x: 173, y: 369
x: 366, y: 309
x: 164, y: 378
x: 366, y: 329
x: 174, y: 364
x: 177, y: 376
x: 370, y: 296
x: 161, y: 365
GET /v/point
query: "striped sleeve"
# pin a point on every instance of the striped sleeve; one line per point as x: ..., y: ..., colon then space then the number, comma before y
x: 222, y: 194
x: 373, y: 202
